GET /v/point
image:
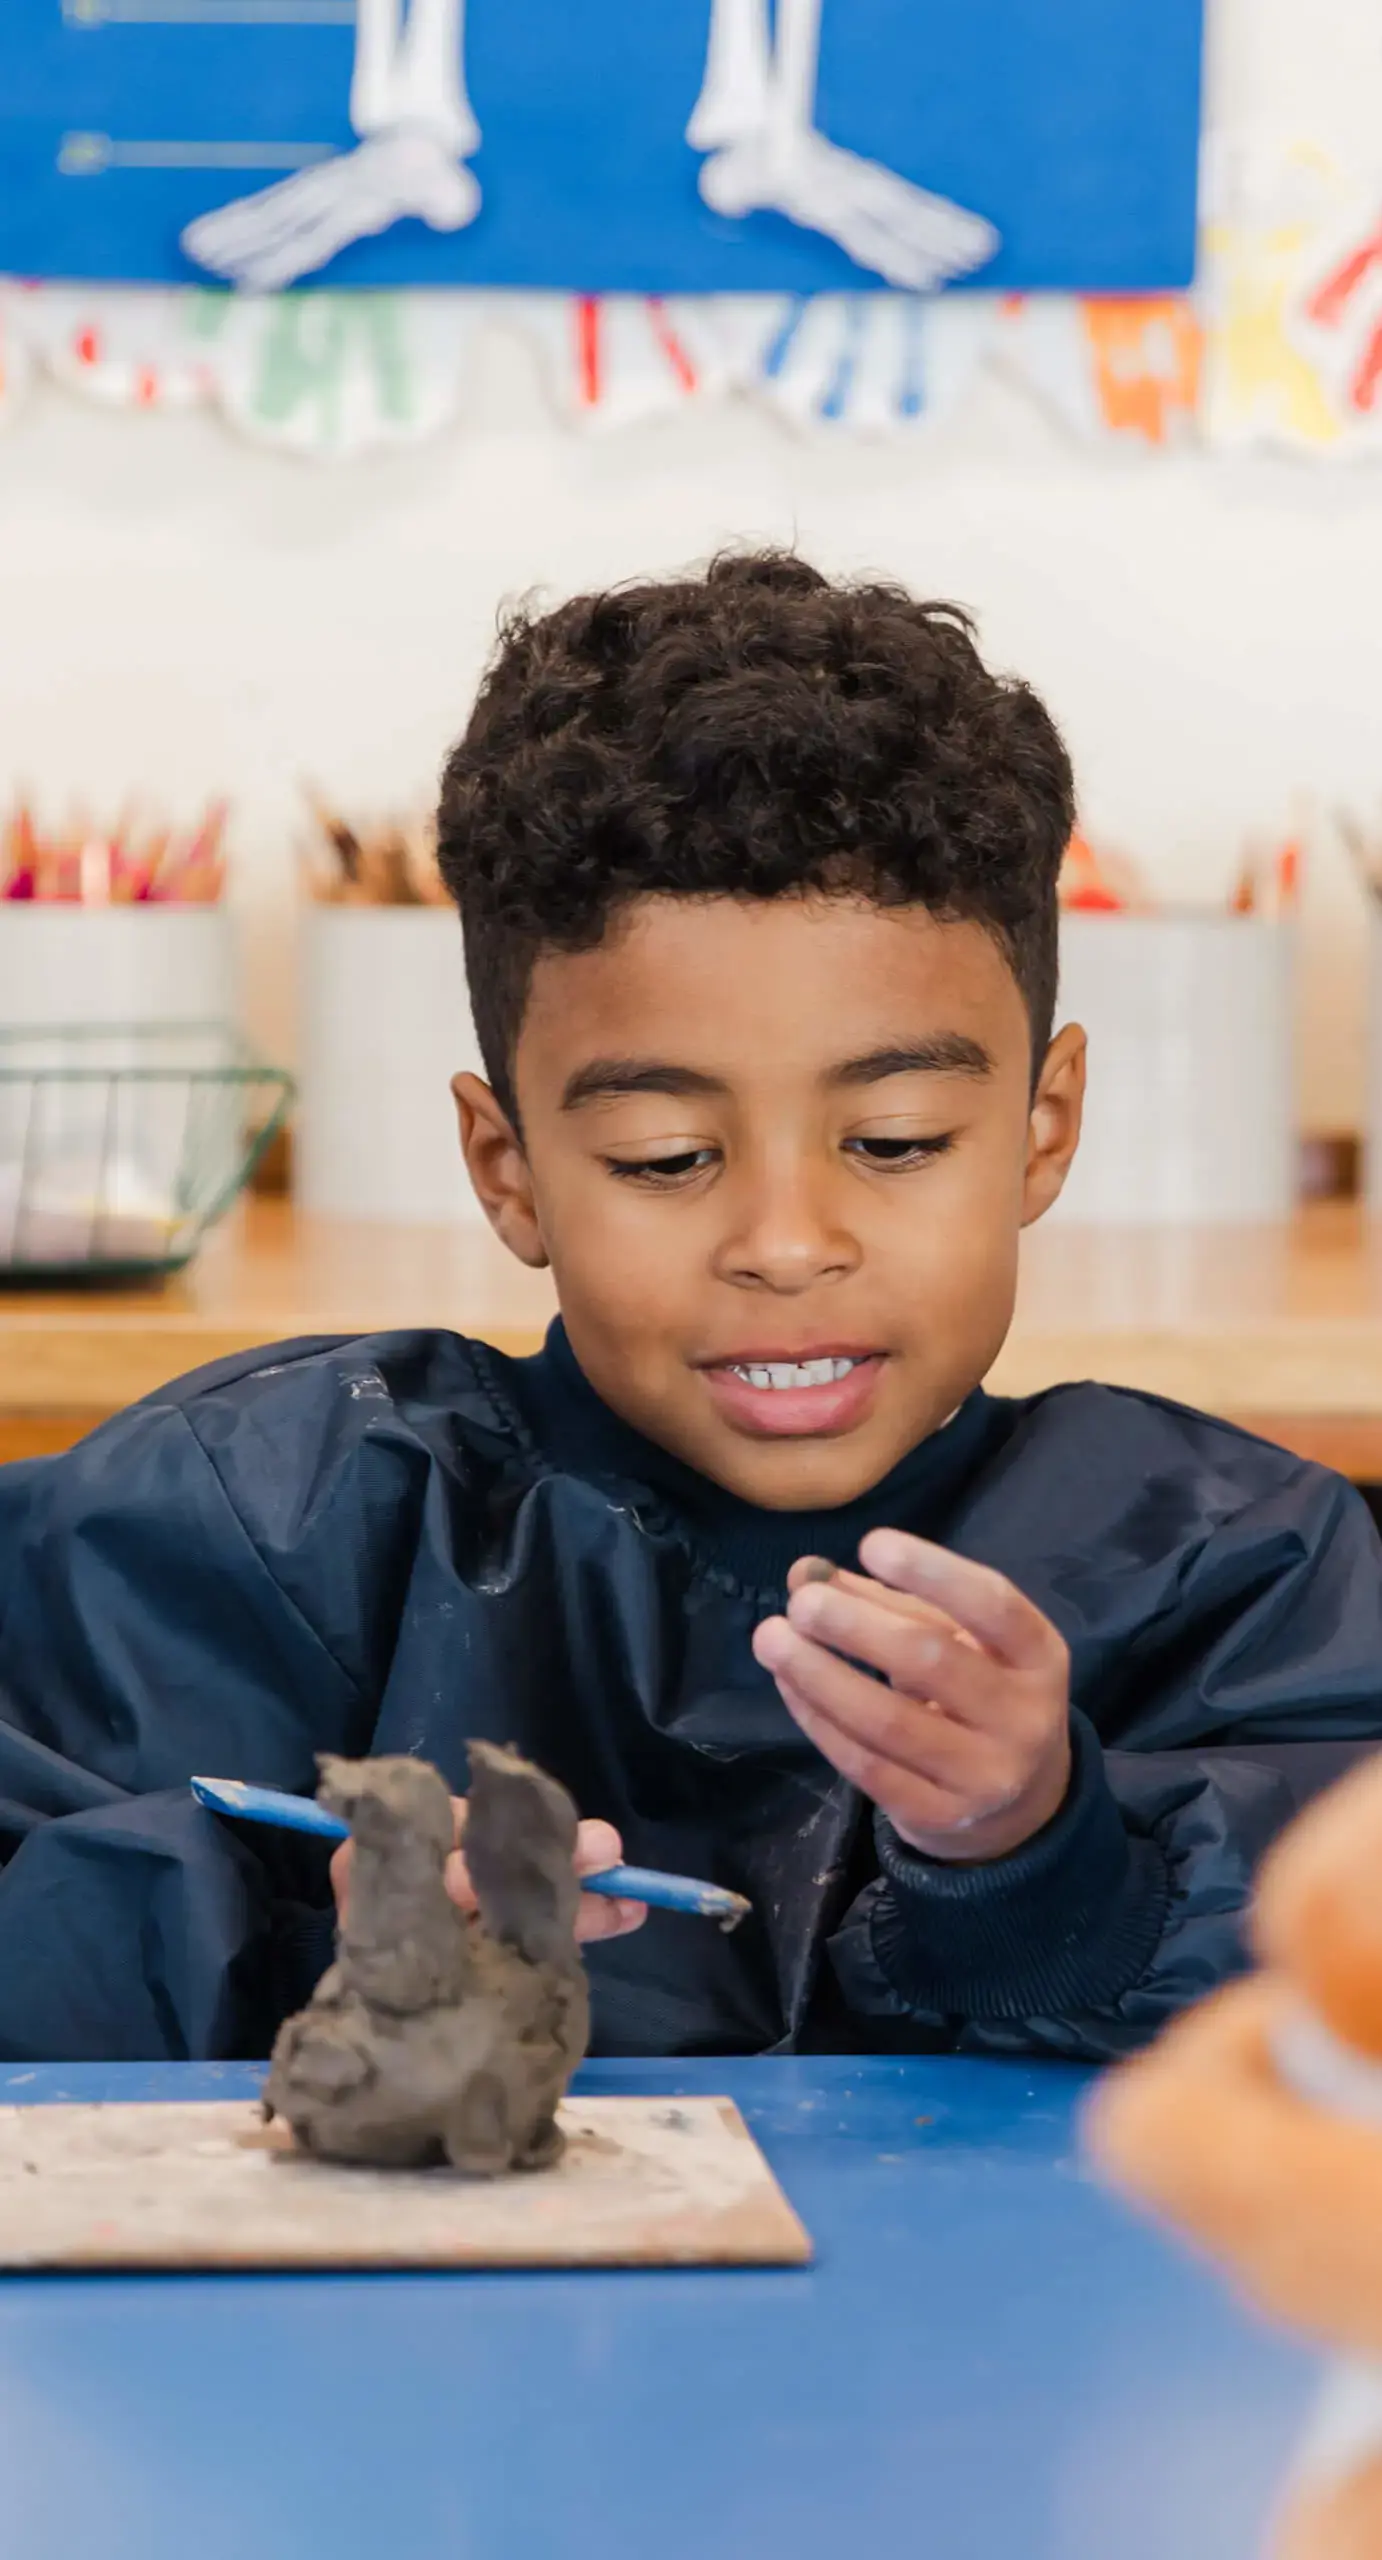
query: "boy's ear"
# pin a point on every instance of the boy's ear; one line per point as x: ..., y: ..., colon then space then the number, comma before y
x: 1053, y: 1131
x: 498, y: 1169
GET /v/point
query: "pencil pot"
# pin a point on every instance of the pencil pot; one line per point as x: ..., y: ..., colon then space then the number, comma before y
x: 385, y: 1024
x: 1189, y: 1114
x: 62, y: 964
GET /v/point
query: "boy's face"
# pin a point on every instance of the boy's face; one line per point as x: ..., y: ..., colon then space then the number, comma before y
x: 778, y: 1154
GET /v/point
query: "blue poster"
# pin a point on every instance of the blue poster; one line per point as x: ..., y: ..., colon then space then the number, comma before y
x: 598, y: 146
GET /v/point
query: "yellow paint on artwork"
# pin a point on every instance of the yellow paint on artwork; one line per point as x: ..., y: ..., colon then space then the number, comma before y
x: 1258, y: 367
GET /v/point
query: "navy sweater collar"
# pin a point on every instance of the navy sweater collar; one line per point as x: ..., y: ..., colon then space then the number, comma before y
x: 578, y: 1431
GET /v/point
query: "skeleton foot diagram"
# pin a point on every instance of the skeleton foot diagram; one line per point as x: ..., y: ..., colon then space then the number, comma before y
x: 410, y: 108
x: 755, y: 121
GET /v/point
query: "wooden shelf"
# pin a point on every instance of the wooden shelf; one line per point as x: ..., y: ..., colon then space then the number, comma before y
x: 1278, y: 1327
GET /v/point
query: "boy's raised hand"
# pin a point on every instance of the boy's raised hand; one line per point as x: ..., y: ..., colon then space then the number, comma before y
x: 965, y: 1742
x: 598, y: 1846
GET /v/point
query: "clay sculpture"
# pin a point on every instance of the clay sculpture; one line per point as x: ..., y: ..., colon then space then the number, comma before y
x: 437, y: 2036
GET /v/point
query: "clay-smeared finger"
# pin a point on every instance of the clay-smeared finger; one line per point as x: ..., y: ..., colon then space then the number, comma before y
x: 915, y: 1804
x: 921, y: 1659
x: 993, y: 1608
x: 810, y: 1569
x: 896, y: 1729
x: 886, y: 1732
x: 861, y: 1586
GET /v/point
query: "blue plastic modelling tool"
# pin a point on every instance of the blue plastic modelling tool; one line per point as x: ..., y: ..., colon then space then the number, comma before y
x: 621, y: 1884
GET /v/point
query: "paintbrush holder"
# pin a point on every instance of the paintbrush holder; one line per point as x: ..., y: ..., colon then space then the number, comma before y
x: 144, y: 964
x: 1190, y: 1112
x: 385, y: 1024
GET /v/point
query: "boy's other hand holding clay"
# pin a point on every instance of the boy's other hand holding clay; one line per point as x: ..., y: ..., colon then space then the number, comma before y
x: 965, y: 1742
x: 598, y: 1846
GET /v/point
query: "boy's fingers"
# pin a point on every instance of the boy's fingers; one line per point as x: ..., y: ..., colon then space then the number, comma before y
x: 598, y: 1917
x: 458, y: 1883
x: 984, y: 1601
x: 923, y: 1660
x: 861, y: 1586
x: 810, y: 1569
x: 913, y: 1802
x: 598, y: 1846
x: 892, y: 1731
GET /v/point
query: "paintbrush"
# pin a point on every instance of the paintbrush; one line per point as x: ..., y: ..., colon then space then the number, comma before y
x: 619, y: 1884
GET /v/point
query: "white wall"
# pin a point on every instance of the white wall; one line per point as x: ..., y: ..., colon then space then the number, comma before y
x: 180, y: 607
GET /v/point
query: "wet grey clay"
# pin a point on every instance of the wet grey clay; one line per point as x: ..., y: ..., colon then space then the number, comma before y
x: 436, y: 2037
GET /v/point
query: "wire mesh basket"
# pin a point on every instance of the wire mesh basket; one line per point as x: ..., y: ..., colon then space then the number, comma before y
x: 120, y: 1147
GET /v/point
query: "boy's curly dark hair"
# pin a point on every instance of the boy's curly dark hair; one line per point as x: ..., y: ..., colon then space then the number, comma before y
x: 752, y: 732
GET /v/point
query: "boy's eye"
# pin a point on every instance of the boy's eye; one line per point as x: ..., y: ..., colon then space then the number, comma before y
x: 899, y: 1151
x: 662, y: 1172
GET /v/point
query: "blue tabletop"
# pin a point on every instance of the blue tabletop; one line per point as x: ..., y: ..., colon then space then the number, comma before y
x: 989, y: 2361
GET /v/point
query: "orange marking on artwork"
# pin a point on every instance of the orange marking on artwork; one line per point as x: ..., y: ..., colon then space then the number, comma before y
x: 1147, y: 352
x: 1328, y: 301
x: 588, y: 348
x: 670, y: 344
x: 1364, y: 386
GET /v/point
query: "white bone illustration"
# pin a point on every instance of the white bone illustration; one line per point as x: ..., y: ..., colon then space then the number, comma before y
x: 755, y: 119
x: 411, y: 110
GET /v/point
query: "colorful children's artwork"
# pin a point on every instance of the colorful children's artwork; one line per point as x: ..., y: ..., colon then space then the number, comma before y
x: 616, y: 360
x: 1347, y: 301
x: 328, y: 376
x: 1292, y: 302
x: 1261, y: 387
x: 1120, y: 368
x: 687, y: 147
x: 871, y: 364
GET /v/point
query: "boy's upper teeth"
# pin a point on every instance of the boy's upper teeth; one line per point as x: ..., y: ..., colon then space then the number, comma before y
x: 793, y: 1373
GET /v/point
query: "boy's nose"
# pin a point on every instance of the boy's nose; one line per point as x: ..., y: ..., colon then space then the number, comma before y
x: 787, y: 1236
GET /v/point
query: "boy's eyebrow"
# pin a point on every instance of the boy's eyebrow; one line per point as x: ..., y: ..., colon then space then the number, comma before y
x: 603, y: 1079
x: 946, y: 1053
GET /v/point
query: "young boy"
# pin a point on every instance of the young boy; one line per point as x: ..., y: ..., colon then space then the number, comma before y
x: 758, y: 881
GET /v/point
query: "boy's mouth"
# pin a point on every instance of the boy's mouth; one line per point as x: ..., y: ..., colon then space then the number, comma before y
x: 777, y: 1398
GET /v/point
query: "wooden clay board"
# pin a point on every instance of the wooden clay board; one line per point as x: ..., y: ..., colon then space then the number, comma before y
x: 643, y: 2182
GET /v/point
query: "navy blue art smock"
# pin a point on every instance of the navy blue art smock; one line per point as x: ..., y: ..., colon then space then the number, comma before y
x: 398, y: 1543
